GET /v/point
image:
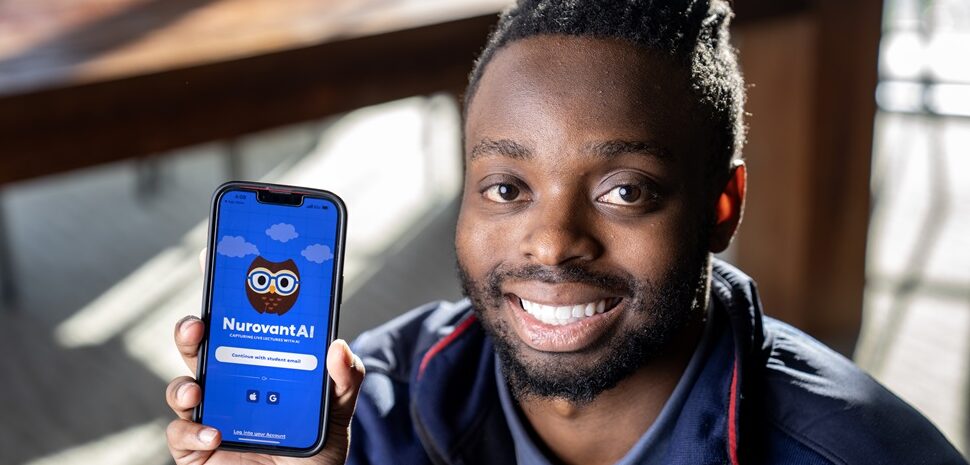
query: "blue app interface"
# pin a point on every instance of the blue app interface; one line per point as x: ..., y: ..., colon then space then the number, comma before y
x: 271, y: 290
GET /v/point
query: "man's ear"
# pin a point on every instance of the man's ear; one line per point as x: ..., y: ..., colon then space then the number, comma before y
x: 730, y: 205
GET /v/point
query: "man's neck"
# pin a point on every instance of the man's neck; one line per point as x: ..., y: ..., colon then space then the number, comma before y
x: 604, y: 430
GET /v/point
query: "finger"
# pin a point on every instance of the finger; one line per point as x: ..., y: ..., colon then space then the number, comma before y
x: 202, y: 260
x: 187, y: 441
x: 345, y: 368
x: 183, y: 395
x: 347, y: 372
x: 188, y: 335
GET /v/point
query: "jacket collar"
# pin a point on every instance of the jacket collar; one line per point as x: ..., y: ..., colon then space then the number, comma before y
x: 737, y: 293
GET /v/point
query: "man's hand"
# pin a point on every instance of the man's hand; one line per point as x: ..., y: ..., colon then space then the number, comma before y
x: 193, y: 444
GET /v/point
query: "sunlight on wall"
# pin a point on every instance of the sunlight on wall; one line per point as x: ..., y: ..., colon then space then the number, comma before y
x: 917, y: 297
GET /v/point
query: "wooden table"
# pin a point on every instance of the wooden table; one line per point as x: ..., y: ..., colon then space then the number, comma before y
x: 92, y: 81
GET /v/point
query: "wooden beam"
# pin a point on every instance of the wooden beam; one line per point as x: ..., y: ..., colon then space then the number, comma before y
x: 812, y: 105
x: 845, y: 109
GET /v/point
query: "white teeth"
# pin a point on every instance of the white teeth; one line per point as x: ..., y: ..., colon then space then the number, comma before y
x: 547, y: 312
x: 565, y: 314
x: 578, y: 310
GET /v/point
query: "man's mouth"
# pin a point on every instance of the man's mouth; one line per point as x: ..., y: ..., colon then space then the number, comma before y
x: 564, y: 323
x: 567, y: 314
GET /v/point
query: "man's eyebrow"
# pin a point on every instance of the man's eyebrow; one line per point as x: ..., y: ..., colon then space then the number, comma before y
x: 503, y: 147
x: 612, y: 148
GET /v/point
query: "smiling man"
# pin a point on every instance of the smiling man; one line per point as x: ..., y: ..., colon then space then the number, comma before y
x: 602, y: 151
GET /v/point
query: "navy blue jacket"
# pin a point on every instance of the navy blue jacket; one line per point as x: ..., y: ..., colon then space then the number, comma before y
x: 768, y: 394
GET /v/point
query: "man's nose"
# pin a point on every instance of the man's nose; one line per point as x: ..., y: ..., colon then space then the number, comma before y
x: 559, y: 233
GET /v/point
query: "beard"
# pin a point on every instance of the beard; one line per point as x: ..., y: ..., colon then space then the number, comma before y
x: 662, y: 310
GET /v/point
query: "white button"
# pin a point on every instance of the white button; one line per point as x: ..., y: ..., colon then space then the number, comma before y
x: 266, y: 358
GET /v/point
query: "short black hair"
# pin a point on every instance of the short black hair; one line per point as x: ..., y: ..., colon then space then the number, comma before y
x: 694, y: 33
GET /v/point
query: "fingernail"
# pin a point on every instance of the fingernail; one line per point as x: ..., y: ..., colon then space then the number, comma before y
x: 207, y: 435
x: 184, y: 326
x: 182, y: 390
x: 350, y: 357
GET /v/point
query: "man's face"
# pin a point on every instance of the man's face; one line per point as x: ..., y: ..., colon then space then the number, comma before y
x: 582, y: 238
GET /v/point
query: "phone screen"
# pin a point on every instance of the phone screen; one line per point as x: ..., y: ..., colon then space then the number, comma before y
x: 271, y: 283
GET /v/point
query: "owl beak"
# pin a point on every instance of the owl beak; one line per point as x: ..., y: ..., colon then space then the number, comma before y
x: 272, y: 288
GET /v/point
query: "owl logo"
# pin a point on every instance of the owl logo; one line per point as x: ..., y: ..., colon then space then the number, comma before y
x: 272, y: 287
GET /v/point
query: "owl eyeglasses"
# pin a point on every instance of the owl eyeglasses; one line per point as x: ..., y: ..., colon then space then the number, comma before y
x: 283, y: 282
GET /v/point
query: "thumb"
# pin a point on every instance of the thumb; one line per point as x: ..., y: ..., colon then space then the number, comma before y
x: 347, y: 372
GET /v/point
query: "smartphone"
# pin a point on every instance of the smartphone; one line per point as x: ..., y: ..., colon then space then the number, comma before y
x: 270, y: 306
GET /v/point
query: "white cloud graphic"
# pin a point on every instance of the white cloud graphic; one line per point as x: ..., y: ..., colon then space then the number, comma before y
x: 282, y: 232
x: 236, y: 246
x: 317, y: 253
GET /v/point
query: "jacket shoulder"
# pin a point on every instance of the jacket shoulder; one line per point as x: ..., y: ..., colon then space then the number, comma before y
x: 394, y: 348
x: 823, y: 401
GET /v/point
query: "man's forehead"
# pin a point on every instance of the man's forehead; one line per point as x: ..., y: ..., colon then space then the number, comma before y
x: 556, y: 85
x: 574, y: 65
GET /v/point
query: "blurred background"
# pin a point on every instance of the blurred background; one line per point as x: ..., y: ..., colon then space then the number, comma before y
x: 118, y: 118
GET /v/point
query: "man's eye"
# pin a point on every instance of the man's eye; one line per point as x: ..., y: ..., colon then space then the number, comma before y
x: 627, y: 194
x: 502, y: 193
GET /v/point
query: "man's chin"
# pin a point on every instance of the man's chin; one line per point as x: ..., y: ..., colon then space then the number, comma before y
x: 576, y: 376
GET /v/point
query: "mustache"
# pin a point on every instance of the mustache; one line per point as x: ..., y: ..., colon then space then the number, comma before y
x: 568, y: 273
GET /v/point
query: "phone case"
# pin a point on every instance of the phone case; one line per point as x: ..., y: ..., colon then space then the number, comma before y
x: 266, y: 190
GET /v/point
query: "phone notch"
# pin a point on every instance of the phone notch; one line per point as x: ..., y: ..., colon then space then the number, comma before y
x: 293, y: 199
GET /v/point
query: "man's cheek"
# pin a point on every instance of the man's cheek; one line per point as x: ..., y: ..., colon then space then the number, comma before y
x: 644, y: 251
x: 481, y: 246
